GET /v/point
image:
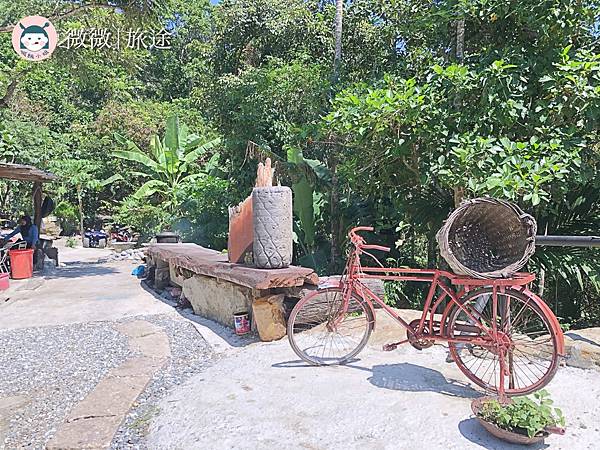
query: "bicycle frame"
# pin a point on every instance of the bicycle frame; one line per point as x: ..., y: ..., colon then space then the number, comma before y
x: 467, y: 313
x: 355, y: 272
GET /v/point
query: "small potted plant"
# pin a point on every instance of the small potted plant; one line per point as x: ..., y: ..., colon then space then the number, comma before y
x: 521, y: 420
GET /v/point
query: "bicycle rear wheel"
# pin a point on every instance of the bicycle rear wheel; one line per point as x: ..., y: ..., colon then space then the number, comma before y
x: 531, y: 344
x: 322, y: 332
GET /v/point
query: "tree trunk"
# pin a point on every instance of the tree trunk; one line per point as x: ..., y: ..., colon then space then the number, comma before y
x: 432, y: 249
x: 460, y: 40
x: 37, y: 205
x: 80, y: 205
x: 334, y: 213
x: 459, y: 191
x: 4, y: 197
x: 542, y: 283
x: 332, y: 162
x: 459, y: 195
x: 337, y: 58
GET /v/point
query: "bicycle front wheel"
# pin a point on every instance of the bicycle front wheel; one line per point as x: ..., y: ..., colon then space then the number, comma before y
x: 524, y: 331
x: 322, y: 330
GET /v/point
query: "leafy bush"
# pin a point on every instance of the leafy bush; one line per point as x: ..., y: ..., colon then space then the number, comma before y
x: 524, y: 415
x: 71, y: 242
x: 66, y: 214
x: 204, y: 209
x: 143, y: 217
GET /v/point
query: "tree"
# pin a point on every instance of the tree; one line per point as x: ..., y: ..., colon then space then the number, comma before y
x: 337, y: 58
x: 170, y: 164
x: 79, y: 174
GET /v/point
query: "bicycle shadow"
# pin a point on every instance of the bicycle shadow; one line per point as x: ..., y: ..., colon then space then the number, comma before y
x: 474, y: 432
x: 403, y: 377
x: 578, y: 337
x: 412, y: 378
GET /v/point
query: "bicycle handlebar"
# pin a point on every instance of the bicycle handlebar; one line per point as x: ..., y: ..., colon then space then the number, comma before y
x: 355, y: 229
x: 359, y: 242
x: 375, y: 247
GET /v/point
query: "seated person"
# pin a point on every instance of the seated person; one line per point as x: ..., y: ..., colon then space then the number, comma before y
x: 29, y: 233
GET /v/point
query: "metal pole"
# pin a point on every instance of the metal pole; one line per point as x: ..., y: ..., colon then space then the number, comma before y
x: 568, y: 241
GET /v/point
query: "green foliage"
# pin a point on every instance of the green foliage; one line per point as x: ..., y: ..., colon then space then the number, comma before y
x: 71, y: 242
x: 407, y: 131
x: 205, y: 217
x: 304, y: 174
x: 506, y: 169
x: 142, y: 216
x: 170, y: 162
x: 523, y: 414
x: 67, y: 216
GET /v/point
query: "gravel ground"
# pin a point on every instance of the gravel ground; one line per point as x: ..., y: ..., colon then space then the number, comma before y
x: 190, y: 354
x: 53, y: 368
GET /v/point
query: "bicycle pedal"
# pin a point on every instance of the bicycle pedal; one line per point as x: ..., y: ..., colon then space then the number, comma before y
x: 390, y: 347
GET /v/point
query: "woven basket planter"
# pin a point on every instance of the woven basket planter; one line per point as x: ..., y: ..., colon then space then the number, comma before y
x: 487, y: 238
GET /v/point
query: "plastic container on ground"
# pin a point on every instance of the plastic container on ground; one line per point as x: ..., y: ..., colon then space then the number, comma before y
x: 21, y: 263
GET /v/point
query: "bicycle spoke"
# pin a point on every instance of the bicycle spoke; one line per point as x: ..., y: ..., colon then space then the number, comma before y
x: 328, y: 330
x: 524, y: 334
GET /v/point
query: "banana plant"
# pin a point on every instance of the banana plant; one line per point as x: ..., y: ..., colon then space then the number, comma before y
x: 169, y: 164
x: 304, y: 174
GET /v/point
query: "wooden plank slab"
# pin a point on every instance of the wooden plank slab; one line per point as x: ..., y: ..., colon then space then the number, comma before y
x: 25, y: 173
x: 204, y: 261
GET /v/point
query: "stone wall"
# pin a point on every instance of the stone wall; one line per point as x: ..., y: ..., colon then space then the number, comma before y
x: 217, y: 300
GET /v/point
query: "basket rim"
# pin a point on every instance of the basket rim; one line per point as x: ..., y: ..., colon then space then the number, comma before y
x: 442, y: 237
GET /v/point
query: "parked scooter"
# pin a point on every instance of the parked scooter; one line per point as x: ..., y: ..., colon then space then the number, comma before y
x: 120, y: 234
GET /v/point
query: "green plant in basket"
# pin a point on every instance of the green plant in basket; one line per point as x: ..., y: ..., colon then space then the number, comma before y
x: 524, y: 415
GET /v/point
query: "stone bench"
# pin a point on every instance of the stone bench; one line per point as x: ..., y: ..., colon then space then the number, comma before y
x: 218, y: 289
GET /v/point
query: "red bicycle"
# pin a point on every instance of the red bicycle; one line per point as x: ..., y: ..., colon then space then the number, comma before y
x: 501, y: 335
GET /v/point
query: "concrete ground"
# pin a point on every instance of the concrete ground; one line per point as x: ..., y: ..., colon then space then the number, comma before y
x: 264, y: 398
x: 177, y: 381
x: 83, y: 346
x: 81, y: 291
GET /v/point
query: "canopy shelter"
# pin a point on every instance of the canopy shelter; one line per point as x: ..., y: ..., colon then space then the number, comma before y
x: 23, y: 172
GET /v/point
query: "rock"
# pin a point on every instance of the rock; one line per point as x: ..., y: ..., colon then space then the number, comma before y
x: 268, y: 316
x: 175, y: 292
x: 184, y: 302
x: 161, y: 278
x: 582, y: 348
x: 216, y: 299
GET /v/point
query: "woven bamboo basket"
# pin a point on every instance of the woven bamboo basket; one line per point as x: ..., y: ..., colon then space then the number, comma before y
x: 487, y: 238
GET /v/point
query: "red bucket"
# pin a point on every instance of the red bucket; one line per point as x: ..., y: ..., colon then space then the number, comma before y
x: 4, y: 281
x: 21, y: 263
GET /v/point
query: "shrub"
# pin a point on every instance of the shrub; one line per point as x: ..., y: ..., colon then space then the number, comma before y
x: 204, y: 212
x: 66, y: 213
x: 71, y: 242
x: 141, y: 216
